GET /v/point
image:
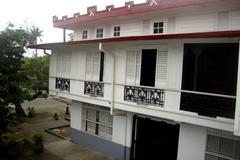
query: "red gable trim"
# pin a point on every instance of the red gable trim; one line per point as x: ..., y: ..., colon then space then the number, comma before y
x: 124, y: 11
x: 218, y: 34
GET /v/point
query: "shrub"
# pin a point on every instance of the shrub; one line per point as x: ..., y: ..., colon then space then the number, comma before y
x: 37, y: 138
x: 37, y: 141
x: 55, y: 116
x: 31, y: 111
x: 12, y: 143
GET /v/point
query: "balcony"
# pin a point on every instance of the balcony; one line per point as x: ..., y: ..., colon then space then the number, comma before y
x: 209, y: 105
x: 94, y: 89
x: 144, y: 95
x: 62, y: 84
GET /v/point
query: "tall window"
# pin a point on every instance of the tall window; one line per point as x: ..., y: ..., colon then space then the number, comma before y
x: 116, y: 32
x: 63, y: 65
x: 97, y: 120
x: 158, y: 27
x: 222, y: 146
x: 95, y: 66
x: 99, y: 33
x: 84, y: 34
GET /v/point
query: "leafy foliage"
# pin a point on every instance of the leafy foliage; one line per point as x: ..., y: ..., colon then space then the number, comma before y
x: 55, y: 116
x: 14, y: 87
x: 31, y: 111
x: 12, y: 143
x: 36, y: 69
x: 37, y: 138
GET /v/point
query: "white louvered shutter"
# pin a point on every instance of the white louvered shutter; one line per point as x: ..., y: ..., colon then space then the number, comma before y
x: 89, y: 64
x: 58, y: 65
x: 68, y: 63
x: 96, y: 66
x: 64, y: 64
x: 133, y: 67
x: 138, y: 67
x: 161, y: 67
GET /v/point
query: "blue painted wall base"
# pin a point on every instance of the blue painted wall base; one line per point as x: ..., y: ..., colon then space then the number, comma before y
x: 112, y: 149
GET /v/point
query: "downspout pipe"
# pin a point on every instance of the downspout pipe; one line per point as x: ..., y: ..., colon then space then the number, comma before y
x: 44, y: 51
x: 113, y: 78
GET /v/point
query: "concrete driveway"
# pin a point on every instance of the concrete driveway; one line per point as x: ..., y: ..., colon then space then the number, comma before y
x: 55, y: 147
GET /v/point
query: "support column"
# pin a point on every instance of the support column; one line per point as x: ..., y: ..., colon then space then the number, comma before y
x: 237, y: 107
x: 64, y: 35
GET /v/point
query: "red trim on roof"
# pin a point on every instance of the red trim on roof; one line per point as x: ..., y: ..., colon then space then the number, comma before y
x: 124, y: 11
x: 217, y: 34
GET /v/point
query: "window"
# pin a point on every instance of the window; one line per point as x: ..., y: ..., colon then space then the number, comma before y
x: 63, y: 65
x: 158, y: 27
x: 116, y: 32
x: 211, y: 68
x: 133, y: 68
x: 222, y: 147
x: 97, y: 120
x: 99, y: 33
x: 95, y: 66
x: 84, y: 34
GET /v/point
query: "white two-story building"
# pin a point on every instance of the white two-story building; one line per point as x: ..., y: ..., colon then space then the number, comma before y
x: 157, y: 80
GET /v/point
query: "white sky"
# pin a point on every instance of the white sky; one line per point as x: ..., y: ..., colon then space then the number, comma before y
x: 40, y: 13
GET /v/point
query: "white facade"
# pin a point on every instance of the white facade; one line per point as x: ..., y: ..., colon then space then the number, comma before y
x: 122, y: 62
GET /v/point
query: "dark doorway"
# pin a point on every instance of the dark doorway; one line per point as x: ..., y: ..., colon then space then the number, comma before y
x: 148, y: 67
x: 154, y: 140
x: 210, y: 68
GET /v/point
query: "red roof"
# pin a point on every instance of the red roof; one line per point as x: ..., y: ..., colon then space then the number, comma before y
x: 128, y: 9
x: 216, y: 34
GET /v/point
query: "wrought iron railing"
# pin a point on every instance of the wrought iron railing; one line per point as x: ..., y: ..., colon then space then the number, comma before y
x: 94, y: 89
x: 63, y: 84
x: 208, y: 105
x: 144, y: 95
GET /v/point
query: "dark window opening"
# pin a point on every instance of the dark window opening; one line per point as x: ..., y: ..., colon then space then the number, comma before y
x: 116, y: 31
x: 158, y: 27
x: 210, y: 68
x: 148, y: 67
x: 101, y: 67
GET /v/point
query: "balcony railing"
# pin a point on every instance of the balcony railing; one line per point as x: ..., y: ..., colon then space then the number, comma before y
x: 94, y: 89
x: 63, y: 84
x: 208, y: 105
x: 143, y: 95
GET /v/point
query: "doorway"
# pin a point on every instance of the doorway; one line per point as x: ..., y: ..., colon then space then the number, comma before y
x: 154, y: 140
x: 148, y: 67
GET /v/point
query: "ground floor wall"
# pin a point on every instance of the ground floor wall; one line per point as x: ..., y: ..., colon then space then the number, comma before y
x: 193, y: 141
x: 116, y: 144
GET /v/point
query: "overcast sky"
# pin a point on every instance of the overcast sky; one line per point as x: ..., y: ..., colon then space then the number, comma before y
x: 40, y: 13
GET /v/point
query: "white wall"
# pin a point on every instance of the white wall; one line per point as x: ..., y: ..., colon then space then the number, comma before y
x: 196, y: 23
x: 76, y: 115
x: 122, y: 129
x: 192, y: 142
x: 180, y: 20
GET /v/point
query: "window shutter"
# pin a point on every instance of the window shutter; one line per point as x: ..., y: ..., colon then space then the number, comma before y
x: 89, y: 62
x: 161, y: 67
x: 138, y: 67
x: 93, y: 66
x: 59, y: 66
x: 68, y: 63
x: 96, y: 66
x: 64, y: 64
x: 133, y: 67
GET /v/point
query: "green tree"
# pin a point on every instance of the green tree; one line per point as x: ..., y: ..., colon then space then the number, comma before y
x: 36, y: 69
x: 13, y: 89
x: 35, y: 34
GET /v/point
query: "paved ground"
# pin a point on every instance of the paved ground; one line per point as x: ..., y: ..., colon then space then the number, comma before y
x: 55, y: 147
